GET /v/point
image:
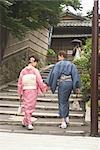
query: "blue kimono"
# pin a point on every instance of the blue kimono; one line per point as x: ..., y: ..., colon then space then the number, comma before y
x: 63, y: 67
x: 71, y: 82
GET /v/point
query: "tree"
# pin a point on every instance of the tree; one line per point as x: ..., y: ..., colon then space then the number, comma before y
x: 20, y: 16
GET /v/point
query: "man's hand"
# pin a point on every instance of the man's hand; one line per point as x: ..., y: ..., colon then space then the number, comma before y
x: 77, y: 92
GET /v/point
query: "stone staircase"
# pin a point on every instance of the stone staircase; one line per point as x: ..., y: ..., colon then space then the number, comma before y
x: 46, y: 119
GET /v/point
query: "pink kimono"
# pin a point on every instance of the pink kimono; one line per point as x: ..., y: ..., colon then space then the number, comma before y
x: 30, y: 84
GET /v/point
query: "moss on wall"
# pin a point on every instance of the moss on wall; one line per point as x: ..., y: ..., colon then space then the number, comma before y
x: 10, y: 67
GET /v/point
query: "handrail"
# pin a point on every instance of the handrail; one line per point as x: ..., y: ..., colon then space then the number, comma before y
x: 46, y: 67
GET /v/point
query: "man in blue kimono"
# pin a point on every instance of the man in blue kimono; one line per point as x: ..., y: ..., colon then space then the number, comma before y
x: 64, y: 74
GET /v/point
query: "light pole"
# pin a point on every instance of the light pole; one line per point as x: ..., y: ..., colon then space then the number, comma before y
x: 94, y: 72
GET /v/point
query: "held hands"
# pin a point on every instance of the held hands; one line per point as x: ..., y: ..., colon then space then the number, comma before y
x: 77, y: 92
x: 47, y: 88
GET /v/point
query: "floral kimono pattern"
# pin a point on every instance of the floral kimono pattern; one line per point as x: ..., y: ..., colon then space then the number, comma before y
x: 30, y: 84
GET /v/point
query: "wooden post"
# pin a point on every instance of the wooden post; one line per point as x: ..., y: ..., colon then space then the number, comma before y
x: 0, y: 38
x: 94, y: 72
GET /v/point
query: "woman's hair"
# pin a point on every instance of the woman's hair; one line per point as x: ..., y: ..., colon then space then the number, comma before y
x: 62, y: 53
x: 35, y: 59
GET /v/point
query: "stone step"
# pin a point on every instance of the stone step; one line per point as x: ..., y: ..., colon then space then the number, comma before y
x: 44, y: 75
x: 44, y: 78
x: 18, y: 117
x: 45, y: 106
x: 46, y: 118
x: 7, y: 85
x: 39, y: 105
x: 12, y: 84
x: 14, y: 89
x: 13, y: 119
x: 48, y: 94
x: 42, y: 98
x: 42, y: 114
x: 45, y: 71
x: 10, y: 91
x: 39, y: 109
x: 17, y: 103
x: 39, y: 129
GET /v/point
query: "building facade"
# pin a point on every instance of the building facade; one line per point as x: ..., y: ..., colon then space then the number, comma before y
x: 70, y: 27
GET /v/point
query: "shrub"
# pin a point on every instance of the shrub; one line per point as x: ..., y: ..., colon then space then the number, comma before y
x: 84, y: 65
x: 51, y: 52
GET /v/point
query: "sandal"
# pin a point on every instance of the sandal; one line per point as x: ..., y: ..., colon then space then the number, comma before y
x: 63, y: 125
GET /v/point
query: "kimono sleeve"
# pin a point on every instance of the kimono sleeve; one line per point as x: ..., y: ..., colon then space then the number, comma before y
x: 41, y: 86
x: 19, y: 85
x: 75, y: 78
x: 53, y: 78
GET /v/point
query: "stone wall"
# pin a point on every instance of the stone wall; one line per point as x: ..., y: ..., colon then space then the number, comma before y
x: 17, y: 53
x: 36, y: 40
x: 11, y: 66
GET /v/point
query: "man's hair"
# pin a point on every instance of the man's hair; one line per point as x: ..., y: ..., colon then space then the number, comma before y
x: 35, y: 58
x: 62, y: 53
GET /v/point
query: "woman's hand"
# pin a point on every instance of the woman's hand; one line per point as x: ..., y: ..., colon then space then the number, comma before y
x: 77, y: 91
x: 21, y: 98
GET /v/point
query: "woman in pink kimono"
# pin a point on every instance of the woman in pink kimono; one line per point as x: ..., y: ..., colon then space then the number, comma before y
x: 30, y: 83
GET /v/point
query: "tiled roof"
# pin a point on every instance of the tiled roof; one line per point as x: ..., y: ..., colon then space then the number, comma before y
x: 76, y: 16
x: 71, y: 35
x: 75, y: 23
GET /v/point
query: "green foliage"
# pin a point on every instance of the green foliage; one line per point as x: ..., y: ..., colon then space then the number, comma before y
x: 84, y: 65
x: 23, y: 15
x: 51, y: 52
x: 86, y: 85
